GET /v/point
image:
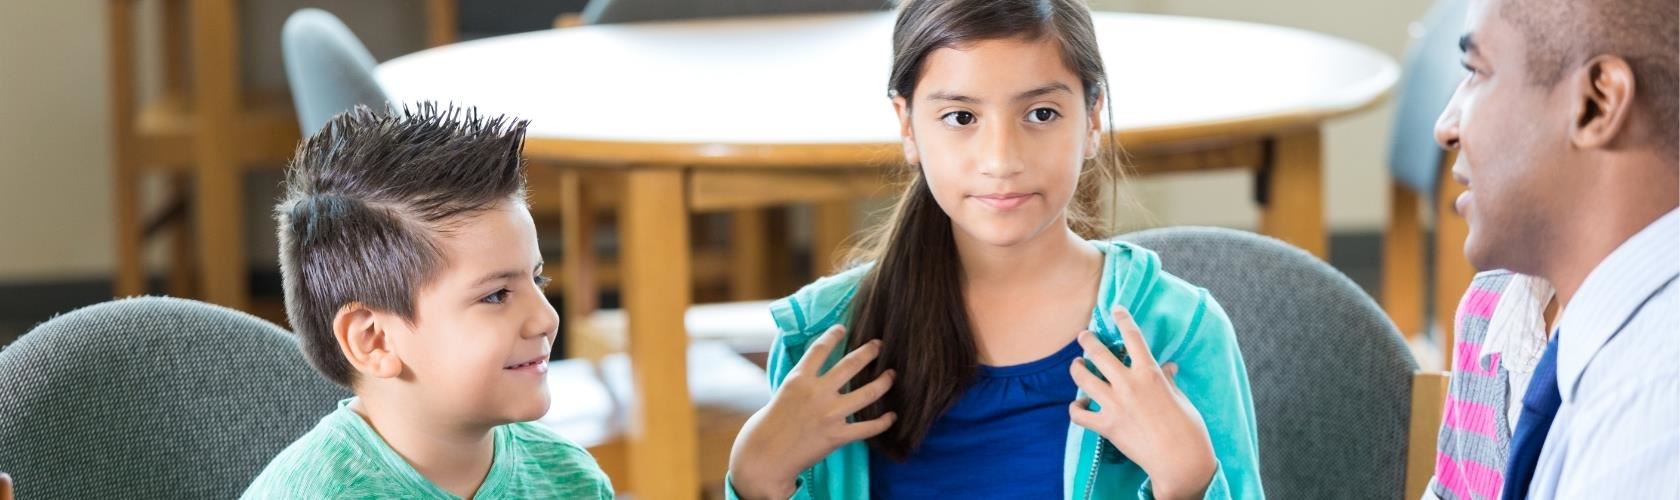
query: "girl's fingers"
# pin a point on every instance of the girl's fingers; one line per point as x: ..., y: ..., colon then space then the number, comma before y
x: 1094, y: 387
x: 811, y: 363
x: 1136, y: 347
x: 1110, y: 366
x: 857, y: 431
x: 1083, y: 417
x: 852, y: 364
x: 858, y: 398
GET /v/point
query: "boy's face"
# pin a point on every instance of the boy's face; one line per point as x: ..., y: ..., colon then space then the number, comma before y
x: 1001, y: 131
x: 479, y: 344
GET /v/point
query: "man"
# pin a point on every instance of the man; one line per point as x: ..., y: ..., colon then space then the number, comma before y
x: 1566, y: 132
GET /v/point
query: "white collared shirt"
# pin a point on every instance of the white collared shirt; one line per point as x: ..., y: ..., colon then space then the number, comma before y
x: 1617, y: 434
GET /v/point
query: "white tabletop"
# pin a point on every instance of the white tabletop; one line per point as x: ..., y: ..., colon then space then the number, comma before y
x: 822, y: 79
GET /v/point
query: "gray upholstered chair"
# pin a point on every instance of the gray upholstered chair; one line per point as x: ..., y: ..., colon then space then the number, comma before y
x: 152, y: 398
x: 629, y: 11
x: 328, y: 69
x: 1331, y: 377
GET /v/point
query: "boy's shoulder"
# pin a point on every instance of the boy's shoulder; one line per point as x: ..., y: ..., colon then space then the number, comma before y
x: 547, y: 465
x: 329, y: 461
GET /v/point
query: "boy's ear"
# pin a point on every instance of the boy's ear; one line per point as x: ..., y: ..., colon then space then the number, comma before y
x: 906, y: 135
x: 366, y: 344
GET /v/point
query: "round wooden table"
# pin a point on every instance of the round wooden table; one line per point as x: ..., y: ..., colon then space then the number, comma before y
x: 736, y: 113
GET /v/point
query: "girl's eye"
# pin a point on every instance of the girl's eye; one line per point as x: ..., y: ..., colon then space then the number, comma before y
x: 496, y: 298
x: 958, y: 118
x: 1042, y: 115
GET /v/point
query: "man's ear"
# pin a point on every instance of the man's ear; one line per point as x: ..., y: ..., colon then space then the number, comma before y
x: 1603, y: 91
x: 366, y: 344
x: 906, y: 134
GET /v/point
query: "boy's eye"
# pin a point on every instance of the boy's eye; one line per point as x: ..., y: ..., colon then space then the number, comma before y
x: 496, y: 298
x: 542, y: 281
x: 1042, y: 115
x: 958, y: 118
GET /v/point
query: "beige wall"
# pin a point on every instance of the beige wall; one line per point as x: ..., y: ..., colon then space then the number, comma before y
x: 55, y: 207
x: 1355, y: 147
x: 55, y: 191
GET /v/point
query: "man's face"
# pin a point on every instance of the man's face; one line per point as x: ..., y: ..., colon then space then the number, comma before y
x: 1511, y: 136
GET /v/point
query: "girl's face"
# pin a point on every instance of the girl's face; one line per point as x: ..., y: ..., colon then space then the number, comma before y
x: 1001, y: 131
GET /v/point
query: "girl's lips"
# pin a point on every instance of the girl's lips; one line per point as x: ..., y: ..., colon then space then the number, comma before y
x: 1004, y: 201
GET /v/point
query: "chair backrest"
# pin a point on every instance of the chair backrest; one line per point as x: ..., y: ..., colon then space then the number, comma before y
x: 1431, y: 74
x: 153, y: 398
x: 1330, y: 374
x: 629, y: 11
x: 328, y: 69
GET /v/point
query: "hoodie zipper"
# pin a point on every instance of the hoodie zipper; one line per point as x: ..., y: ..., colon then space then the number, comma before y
x: 1096, y: 460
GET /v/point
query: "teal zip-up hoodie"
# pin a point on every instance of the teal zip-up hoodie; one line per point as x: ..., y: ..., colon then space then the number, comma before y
x: 1181, y: 323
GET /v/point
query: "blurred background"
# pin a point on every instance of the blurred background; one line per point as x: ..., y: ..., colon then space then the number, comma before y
x: 105, y: 190
x: 57, y: 244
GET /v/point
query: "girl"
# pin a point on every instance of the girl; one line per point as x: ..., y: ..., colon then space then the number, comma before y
x: 985, y: 311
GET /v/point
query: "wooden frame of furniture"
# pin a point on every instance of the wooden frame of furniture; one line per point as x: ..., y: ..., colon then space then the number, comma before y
x: 1403, y: 272
x: 203, y: 132
x: 1429, y: 399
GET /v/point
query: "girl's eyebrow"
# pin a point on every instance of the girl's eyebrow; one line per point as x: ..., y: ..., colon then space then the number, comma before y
x: 1051, y: 88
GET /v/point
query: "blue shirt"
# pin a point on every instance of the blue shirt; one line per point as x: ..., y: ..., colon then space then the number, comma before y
x: 1004, y: 438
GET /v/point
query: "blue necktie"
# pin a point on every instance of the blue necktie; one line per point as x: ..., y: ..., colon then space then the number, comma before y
x: 1539, y: 404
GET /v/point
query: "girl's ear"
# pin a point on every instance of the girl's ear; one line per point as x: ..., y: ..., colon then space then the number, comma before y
x: 1093, y: 144
x: 906, y: 135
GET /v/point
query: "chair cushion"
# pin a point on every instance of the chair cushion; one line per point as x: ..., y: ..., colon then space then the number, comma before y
x: 153, y: 398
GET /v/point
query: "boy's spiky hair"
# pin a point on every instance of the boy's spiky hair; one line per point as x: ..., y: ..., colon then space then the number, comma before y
x: 366, y: 199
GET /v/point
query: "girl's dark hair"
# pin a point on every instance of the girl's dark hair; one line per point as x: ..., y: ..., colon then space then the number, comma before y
x: 912, y: 298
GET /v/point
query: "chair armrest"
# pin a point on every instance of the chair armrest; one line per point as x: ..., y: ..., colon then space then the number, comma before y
x: 1429, y: 397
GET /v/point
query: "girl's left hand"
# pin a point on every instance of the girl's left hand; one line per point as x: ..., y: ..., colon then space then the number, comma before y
x: 1144, y: 414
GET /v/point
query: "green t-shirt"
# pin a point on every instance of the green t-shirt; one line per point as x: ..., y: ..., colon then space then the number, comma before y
x: 342, y: 457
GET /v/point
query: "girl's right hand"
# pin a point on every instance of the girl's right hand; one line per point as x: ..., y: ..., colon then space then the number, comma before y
x: 807, y: 419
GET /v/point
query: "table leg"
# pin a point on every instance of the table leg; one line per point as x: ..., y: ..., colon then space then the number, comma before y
x: 1402, y: 261
x: 577, y: 229
x: 1452, y: 269
x: 130, y: 276
x: 749, y: 277
x: 664, y: 449
x: 218, y: 191
x: 834, y: 224
x: 1294, y: 209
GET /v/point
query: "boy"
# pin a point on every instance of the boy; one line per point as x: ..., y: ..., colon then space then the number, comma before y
x: 412, y: 277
